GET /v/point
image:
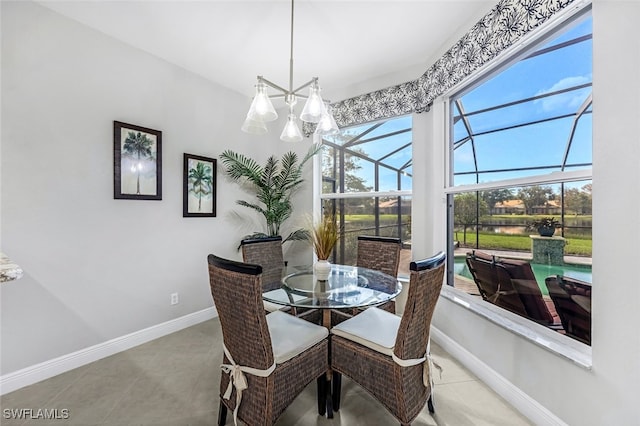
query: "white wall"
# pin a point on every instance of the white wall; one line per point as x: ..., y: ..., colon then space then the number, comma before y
x: 98, y: 268
x: 429, y: 219
x: 609, y: 393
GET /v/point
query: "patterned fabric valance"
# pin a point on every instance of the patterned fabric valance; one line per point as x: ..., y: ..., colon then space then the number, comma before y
x: 503, y: 26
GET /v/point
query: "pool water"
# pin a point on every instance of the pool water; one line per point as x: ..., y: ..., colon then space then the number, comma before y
x: 580, y: 272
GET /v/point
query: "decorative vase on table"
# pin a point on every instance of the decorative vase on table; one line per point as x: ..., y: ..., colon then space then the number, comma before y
x: 322, y: 269
x: 323, y: 235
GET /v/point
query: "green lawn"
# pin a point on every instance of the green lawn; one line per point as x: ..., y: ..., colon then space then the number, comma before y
x: 569, y: 220
x: 386, y: 218
x: 490, y: 240
x: 576, y: 244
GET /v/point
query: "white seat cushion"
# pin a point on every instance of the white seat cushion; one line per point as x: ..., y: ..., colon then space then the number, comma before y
x: 374, y: 328
x: 290, y: 336
x: 272, y: 307
x: 278, y: 294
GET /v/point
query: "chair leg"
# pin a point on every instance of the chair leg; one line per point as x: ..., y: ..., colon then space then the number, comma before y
x: 222, y: 414
x: 336, y: 384
x: 322, y: 394
x: 430, y: 405
x: 329, y: 407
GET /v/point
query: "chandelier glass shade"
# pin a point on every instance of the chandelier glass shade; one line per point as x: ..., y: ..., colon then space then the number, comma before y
x: 261, y: 108
x: 255, y: 127
x: 314, y: 111
x: 327, y: 124
x: 291, y: 131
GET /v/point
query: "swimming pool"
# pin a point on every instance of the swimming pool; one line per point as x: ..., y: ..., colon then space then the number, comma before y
x: 580, y: 272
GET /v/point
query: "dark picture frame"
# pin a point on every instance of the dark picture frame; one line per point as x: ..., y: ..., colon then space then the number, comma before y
x: 198, y: 186
x: 137, y: 162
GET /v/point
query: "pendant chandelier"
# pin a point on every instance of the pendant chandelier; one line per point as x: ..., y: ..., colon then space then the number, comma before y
x: 315, y: 110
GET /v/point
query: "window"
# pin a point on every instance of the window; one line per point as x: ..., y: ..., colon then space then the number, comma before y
x: 367, y: 183
x: 520, y: 151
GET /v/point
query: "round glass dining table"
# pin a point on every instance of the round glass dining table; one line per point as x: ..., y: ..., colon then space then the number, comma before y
x: 346, y: 287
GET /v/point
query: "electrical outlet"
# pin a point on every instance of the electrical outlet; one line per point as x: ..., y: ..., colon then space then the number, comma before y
x: 175, y: 299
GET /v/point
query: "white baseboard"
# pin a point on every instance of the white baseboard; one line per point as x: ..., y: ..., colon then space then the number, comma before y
x: 522, y: 402
x: 44, y: 370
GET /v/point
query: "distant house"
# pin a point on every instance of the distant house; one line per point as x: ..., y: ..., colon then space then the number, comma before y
x: 391, y: 206
x: 517, y: 207
x: 549, y: 207
x: 508, y: 207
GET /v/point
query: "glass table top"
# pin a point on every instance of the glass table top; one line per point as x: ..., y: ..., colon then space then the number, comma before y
x: 346, y: 287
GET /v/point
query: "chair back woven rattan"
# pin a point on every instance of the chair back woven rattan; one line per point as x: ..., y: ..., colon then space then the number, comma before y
x: 237, y: 293
x: 400, y: 389
x: 379, y: 253
x: 425, y: 282
x: 266, y: 252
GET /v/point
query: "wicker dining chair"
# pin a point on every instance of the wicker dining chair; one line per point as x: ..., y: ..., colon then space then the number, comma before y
x: 387, y: 355
x: 380, y: 254
x: 278, y: 353
x: 267, y: 252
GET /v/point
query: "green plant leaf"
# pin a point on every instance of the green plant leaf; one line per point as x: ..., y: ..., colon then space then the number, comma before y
x: 298, y: 235
x: 273, y: 184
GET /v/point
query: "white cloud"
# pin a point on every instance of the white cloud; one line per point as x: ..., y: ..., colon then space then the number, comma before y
x: 569, y: 100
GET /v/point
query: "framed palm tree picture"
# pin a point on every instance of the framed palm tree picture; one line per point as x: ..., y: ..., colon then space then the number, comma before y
x: 199, y: 186
x: 137, y: 162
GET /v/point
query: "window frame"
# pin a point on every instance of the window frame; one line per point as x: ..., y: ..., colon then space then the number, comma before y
x: 320, y: 197
x: 564, y: 346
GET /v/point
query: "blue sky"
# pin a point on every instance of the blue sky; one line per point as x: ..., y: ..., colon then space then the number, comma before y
x: 381, y: 147
x: 535, y: 145
x: 529, y: 146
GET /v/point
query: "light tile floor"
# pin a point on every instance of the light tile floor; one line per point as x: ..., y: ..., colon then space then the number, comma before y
x: 174, y: 381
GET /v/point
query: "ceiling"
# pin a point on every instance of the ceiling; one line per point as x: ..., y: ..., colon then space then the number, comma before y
x: 352, y: 46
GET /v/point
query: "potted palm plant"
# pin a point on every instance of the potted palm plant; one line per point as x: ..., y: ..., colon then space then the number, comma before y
x: 545, y: 226
x: 324, y: 237
x: 273, y: 184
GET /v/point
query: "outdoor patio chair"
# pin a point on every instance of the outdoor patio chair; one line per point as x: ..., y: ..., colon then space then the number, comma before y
x: 525, y: 284
x: 572, y: 299
x: 388, y: 355
x: 492, y: 287
x: 513, y: 277
x: 277, y: 354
